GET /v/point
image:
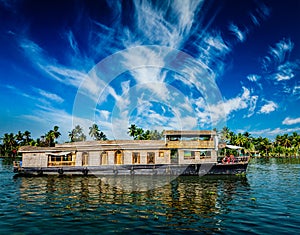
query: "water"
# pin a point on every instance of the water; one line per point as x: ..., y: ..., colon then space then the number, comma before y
x: 266, y: 200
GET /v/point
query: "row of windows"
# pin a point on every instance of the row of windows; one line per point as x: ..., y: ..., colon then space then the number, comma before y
x: 119, y: 157
x: 192, y: 154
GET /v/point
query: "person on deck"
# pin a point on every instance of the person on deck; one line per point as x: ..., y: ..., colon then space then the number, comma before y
x: 226, y: 160
x: 232, y: 159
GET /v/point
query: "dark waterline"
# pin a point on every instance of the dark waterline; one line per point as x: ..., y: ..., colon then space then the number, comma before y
x: 265, y: 200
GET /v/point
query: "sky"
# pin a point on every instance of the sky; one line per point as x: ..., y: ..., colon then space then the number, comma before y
x: 180, y: 65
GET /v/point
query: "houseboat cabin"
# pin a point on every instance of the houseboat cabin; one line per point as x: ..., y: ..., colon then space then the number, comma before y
x: 180, y: 153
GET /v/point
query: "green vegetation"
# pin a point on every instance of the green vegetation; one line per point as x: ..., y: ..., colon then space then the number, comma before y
x: 12, y: 142
x: 96, y: 133
x: 283, y: 146
x: 139, y: 134
x: 77, y: 134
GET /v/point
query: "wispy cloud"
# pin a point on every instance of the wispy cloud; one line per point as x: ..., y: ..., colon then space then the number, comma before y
x: 271, y: 133
x: 260, y: 14
x: 225, y: 110
x: 277, y: 55
x: 240, y: 35
x: 253, y: 77
x: 269, y: 107
x: 167, y: 24
x: 291, y: 121
x: 19, y: 92
x: 50, y: 96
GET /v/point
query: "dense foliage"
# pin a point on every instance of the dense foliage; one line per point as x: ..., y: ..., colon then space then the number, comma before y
x: 11, y: 142
x: 283, y: 145
x: 139, y: 134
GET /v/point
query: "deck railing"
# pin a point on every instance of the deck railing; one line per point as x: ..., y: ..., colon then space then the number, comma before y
x: 190, y: 144
x: 62, y: 163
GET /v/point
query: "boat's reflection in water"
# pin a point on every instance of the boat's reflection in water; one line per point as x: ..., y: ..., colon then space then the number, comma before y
x: 185, y: 202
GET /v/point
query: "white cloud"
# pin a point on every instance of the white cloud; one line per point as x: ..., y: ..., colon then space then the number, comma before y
x: 103, y: 114
x: 241, y: 36
x: 277, y: 54
x: 269, y: 107
x: 272, y: 133
x: 165, y: 24
x: 261, y: 13
x: 223, y: 110
x: 296, y: 90
x: 51, y: 96
x: 253, y: 77
x: 291, y: 121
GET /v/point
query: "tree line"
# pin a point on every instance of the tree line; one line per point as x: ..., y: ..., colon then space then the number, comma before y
x: 11, y: 142
x: 283, y: 145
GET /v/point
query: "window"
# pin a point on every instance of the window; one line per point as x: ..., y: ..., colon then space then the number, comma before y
x: 174, y: 156
x: 103, y: 158
x: 150, y: 158
x: 85, y: 158
x: 189, y: 155
x: 61, y: 160
x: 161, y: 154
x: 205, y: 154
x: 136, y: 159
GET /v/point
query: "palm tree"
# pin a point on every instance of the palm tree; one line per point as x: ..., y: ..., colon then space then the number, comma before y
x: 155, y: 135
x: 72, y: 135
x: 56, y: 133
x: 77, y: 134
x: 294, y: 139
x: 52, y: 135
x: 94, y: 131
x: 27, y: 136
x: 286, y: 141
x: 132, y: 131
x: 9, y: 144
x: 225, y: 135
x: 102, y: 136
x: 19, y: 137
x: 240, y: 140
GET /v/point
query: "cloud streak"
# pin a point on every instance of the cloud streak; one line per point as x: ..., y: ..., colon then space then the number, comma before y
x: 291, y: 121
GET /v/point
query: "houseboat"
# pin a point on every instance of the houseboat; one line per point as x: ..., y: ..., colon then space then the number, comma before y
x: 180, y: 153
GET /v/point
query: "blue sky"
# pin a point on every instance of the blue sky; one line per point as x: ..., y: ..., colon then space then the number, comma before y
x: 158, y: 64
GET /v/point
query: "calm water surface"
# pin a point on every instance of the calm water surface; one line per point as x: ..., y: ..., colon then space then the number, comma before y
x: 266, y: 200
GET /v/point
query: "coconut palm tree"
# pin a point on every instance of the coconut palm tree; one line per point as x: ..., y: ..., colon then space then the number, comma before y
x: 225, y: 135
x: 77, y: 134
x: 102, y: 136
x: 19, y: 137
x: 9, y: 143
x: 27, y: 136
x: 51, y: 136
x: 94, y: 131
x: 132, y: 131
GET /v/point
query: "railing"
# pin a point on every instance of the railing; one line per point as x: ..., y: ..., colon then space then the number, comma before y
x: 241, y: 159
x: 190, y: 144
x: 63, y: 163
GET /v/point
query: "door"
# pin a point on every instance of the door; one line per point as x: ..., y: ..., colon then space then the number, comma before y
x: 85, y: 159
x: 118, y: 157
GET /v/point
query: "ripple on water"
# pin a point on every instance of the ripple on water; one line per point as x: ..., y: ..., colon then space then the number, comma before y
x: 263, y: 201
